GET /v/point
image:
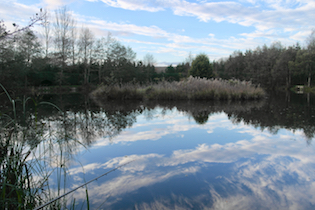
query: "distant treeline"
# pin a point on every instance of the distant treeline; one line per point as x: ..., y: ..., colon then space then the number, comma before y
x: 272, y: 67
x: 67, y: 55
x: 62, y: 54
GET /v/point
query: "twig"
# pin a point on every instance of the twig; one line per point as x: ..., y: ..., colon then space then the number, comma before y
x: 4, y: 34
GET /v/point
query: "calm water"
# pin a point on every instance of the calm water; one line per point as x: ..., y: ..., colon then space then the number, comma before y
x: 187, y: 155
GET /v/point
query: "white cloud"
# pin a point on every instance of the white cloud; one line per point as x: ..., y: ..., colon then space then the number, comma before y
x: 261, y: 174
x: 285, y: 21
x: 261, y: 163
x: 55, y: 4
x: 283, y: 15
x: 177, y: 44
x: 152, y: 31
x: 301, y: 36
x: 134, y: 5
x: 139, y: 165
x: 22, y: 13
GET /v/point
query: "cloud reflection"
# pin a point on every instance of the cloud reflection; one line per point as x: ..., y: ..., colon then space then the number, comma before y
x: 264, y: 171
x: 173, y: 123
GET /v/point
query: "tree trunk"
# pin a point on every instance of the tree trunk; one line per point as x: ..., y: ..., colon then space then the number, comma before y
x: 99, y: 74
x: 85, y: 74
x: 308, y: 99
x: 288, y: 80
x: 25, y: 80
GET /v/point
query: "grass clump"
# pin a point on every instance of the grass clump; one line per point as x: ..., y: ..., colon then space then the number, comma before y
x: 29, y: 154
x: 19, y: 188
x: 193, y: 88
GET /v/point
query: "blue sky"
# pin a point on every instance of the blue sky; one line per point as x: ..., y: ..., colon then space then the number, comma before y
x: 169, y: 30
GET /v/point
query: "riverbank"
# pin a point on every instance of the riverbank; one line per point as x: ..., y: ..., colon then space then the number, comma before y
x: 192, y: 88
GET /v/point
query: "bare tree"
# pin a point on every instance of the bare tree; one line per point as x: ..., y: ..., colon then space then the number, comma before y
x: 309, y: 56
x: 190, y: 59
x: 148, y: 59
x: 310, y: 41
x: 108, y: 42
x: 29, y: 47
x: 86, y: 45
x: 73, y: 41
x: 130, y: 55
x: 63, y: 26
x: 102, y: 51
x: 47, y: 31
x: 99, y: 54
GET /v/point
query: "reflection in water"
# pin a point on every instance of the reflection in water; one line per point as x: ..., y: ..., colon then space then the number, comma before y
x: 189, y: 155
x: 258, y: 171
x: 89, y: 120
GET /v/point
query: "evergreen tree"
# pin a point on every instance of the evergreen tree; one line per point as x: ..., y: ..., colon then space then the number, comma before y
x: 201, y: 67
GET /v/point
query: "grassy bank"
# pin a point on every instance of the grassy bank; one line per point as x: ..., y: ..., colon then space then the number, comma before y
x: 190, y: 89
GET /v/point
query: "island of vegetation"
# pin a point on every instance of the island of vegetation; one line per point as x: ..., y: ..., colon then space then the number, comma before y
x: 192, y: 88
x: 200, y: 85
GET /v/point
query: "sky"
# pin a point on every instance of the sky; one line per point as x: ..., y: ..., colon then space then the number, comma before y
x: 267, y: 169
x: 170, y: 30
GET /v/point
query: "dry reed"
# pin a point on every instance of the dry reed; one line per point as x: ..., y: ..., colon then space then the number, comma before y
x: 193, y: 88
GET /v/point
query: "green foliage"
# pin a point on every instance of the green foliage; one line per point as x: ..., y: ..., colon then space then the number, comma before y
x: 305, y: 63
x: 201, y: 67
x: 182, y: 69
x: 201, y: 117
x: 273, y: 66
x: 171, y: 74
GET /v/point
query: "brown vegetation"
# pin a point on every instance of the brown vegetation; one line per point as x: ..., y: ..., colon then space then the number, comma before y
x: 193, y: 88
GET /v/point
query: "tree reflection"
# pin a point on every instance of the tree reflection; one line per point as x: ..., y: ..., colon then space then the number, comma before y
x: 53, y: 136
x: 201, y: 117
x: 86, y: 120
x: 280, y: 111
x: 39, y: 140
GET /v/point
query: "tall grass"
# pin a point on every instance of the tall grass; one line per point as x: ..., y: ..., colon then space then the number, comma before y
x: 193, y: 88
x: 29, y: 155
x: 18, y: 189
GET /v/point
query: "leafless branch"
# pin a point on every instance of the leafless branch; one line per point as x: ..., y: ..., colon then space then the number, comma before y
x: 4, y: 33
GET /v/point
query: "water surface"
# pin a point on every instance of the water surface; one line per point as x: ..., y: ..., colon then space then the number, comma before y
x: 189, y: 155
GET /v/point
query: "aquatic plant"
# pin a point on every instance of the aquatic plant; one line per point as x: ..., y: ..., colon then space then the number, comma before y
x: 193, y: 88
x: 27, y: 152
x: 18, y: 189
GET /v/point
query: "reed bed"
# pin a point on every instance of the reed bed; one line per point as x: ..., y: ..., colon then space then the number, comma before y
x: 193, y: 88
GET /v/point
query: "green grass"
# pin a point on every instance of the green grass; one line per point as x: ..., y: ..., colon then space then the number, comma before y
x: 18, y: 189
x: 190, y: 89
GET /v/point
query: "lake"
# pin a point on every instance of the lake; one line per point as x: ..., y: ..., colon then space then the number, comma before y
x: 181, y: 155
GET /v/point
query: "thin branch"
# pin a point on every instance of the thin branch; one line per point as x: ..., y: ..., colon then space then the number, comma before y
x: 6, y: 34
